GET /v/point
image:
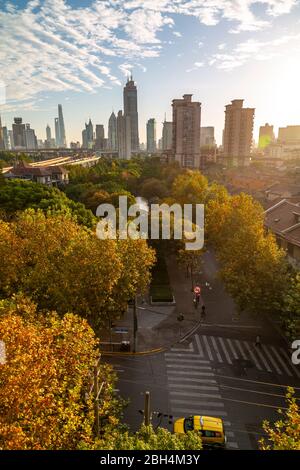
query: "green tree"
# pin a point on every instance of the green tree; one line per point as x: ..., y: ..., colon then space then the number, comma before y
x: 284, y: 434
x: 17, y: 195
x: 149, y: 439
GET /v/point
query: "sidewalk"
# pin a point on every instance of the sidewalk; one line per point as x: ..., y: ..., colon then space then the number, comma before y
x: 158, y: 326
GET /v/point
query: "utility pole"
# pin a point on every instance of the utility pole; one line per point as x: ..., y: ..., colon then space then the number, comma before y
x: 147, y: 412
x: 134, y: 323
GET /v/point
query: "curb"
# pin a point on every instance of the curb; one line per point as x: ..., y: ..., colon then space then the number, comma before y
x: 138, y: 353
x: 151, y: 351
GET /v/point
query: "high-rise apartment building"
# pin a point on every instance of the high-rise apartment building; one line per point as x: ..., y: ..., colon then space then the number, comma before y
x: 18, y: 130
x: 238, y: 131
x: 207, y: 136
x: 186, y: 131
x: 112, y: 133
x: 151, y: 135
x: 30, y: 138
x: 167, y: 135
x: 131, y: 111
x: 2, y: 146
x: 289, y: 134
x: 124, y: 135
x: 266, y: 136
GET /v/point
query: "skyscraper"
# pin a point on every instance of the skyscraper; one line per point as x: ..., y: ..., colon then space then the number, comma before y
x: 6, y: 138
x: 57, y: 133
x: 18, y: 130
x: 207, y: 136
x: 90, y: 134
x: 131, y: 110
x: 238, y: 131
x: 151, y: 135
x: 289, y: 134
x: 2, y: 146
x: 186, y: 131
x: 124, y: 135
x: 167, y: 135
x: 112, y: 133
x: 48, y: 133
x: 30, y: 138
x: 100, y: 137
x: 61, y: 133
x: 266, y: 136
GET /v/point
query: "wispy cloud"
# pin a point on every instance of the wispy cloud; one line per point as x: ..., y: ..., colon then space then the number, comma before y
x: 51, y: 46
x: 253, y: 49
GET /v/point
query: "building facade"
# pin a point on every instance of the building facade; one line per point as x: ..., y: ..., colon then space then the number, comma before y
x: 18, y: 130
x: 186, y: 131
x: 112, y: 133
x: 167, y: 135
x: 30, y: 138
x: 151, y: 135
x: 266, y: 136
x: 207, y: 137
x: 100, y: 137
x: 289, y: 134
x: 131, y: 111
x: 124, y: 135
x: 238, y: 131
x: 61, y: 127
x: 2, y: 144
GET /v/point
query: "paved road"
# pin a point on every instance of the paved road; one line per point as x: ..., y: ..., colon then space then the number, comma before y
x: 217, y: 371
x: 217, y: 375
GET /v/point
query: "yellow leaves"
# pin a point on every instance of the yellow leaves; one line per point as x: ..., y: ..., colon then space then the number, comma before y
x: 285, y: 433
x: 48, y: 367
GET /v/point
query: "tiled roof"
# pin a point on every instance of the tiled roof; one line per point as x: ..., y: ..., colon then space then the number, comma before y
x: 283, y: 219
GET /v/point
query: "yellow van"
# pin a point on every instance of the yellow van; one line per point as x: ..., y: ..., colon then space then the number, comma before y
x: 210, y: 428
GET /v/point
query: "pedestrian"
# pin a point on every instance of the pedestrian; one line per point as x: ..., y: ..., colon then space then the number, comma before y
x: 257, y: 341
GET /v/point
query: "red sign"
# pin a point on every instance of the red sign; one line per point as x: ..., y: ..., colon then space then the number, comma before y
x: 197, y: 290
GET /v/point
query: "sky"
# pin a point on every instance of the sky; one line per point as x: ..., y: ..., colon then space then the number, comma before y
x: 79, y: 54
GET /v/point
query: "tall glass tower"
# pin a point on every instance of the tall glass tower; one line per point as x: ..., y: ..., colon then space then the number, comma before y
x: 130, y: 109
x: 61, y: 128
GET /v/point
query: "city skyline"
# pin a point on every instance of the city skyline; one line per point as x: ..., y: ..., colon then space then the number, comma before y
x: 231, y: 50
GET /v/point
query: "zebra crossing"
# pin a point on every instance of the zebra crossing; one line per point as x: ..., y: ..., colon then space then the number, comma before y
x: 193, y: 388
x: 265, y: 358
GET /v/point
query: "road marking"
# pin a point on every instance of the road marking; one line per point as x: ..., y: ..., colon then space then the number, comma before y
x: 193, y: 387
x: 225, y: 350
x: 180, y: 360
x: 232, y: 445
x: 198, y: 342
x: 252, y: 355
x: 232, y: 348
x: 208, y: 348
x: 194, y: 394
x: 187, y: 356
x: 202, y: 412
x: 289, y: 359
x: 271, y: 359
x: 213, y: 404
x: 191, y: 379
x: 216, y: 349
x: 281, y: 361
x: 190, y: 372
x: 241, y: 349
x: 188, y: 366
x: 263, y: 360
